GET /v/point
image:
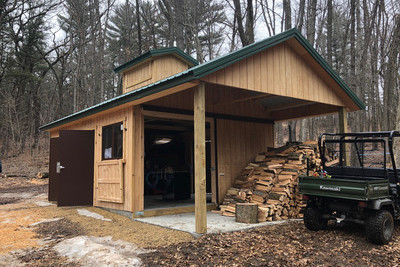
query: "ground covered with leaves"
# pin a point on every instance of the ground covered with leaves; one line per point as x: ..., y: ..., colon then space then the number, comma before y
x: 289, y: 244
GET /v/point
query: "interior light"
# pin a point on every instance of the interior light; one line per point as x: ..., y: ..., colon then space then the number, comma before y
x: 162, y: 141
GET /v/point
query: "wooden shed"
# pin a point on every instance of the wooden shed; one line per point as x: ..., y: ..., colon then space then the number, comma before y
x: 182, y: 129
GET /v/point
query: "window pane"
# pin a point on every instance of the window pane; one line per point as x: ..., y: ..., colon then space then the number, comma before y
x: 107, y: 142
x: 112, y: 141
x: 117, y: 141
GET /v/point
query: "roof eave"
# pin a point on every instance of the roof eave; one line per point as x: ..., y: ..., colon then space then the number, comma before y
x: 123, y: 99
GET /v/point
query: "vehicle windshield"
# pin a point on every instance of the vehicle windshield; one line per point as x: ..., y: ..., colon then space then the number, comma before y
x: 360, y: 153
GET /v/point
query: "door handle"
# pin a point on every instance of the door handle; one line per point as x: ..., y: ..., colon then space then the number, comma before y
x: 59, y: 167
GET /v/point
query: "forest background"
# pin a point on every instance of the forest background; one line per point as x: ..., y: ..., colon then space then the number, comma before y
x: 57, y: 57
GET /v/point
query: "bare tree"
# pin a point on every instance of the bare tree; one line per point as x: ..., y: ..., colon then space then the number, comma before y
x: 287, y: 14
x: 246, y: 31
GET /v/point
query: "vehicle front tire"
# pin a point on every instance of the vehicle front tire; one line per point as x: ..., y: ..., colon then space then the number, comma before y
x: 313, y: 219
x: 379, y: 227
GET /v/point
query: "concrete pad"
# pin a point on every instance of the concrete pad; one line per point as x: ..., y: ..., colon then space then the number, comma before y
x: 215, y: 223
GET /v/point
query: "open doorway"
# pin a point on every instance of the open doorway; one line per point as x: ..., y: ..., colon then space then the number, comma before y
x: 169, y: 161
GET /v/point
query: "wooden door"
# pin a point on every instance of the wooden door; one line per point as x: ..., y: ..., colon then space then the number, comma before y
x: 76, y: 163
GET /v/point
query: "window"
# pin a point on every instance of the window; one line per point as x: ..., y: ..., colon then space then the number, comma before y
x: 112, y: 141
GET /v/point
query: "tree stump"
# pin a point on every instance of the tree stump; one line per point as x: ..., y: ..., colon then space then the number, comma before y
x: 247, y: 212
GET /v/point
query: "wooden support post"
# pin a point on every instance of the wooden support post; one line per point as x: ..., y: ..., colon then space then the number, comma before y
x: 200, y: 159
x: 343, y: 129
x: 137, y: 150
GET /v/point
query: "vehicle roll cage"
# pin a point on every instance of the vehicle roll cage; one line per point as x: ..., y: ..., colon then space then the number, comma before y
x: 374, y: 137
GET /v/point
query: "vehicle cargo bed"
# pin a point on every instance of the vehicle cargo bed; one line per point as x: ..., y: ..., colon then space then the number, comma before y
x: 354, y: 189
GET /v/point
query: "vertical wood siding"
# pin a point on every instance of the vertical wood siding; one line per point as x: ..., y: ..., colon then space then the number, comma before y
x: 280, y: 71
x: 152, y: 71
x: 238, y: 143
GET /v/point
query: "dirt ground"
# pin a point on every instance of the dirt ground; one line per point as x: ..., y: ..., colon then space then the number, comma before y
x: 32, y: 231
x: 30, y: 227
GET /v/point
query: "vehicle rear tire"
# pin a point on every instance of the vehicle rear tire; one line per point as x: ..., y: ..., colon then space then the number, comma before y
x: 313, y: 219
x: 379, y: 227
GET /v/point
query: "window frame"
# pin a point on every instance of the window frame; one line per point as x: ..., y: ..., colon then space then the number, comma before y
x: 114, y: 146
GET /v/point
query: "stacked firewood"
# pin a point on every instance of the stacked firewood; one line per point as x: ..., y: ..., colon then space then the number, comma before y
x: 271, y: 181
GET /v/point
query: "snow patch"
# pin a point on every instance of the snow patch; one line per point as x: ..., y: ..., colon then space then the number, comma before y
x: 44, y: 203
x: 46, y: 221
x: 97, y: 216
x: 100, y: 251
x: 10, y: 260
x: 17, y: 195
x: 8, y: 221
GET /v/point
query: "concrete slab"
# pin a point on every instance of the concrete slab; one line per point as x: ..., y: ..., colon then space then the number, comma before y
x: 215, y: 223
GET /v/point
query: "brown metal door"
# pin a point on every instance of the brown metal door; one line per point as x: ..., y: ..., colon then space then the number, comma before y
x: 53, y: 175
x: 76, y: 160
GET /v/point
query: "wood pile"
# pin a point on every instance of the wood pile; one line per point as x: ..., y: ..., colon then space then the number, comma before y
x: 271, y: 181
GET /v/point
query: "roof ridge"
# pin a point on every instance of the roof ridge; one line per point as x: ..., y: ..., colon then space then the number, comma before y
x: 283, y: 35
x: 157, y: 52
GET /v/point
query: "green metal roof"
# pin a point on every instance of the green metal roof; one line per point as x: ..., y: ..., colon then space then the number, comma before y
x: 202, y: 70
x: 157, y: 52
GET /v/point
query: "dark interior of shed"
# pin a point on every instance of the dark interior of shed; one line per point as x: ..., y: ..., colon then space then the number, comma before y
x: 169, y: 158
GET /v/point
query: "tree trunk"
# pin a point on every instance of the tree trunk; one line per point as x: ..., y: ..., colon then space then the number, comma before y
x: 392, y: 77
x: 287, y: 12
x: 312, y: 14
x: 239, y: 20
x: 250, y: 22
x: 300, y: 22
x: 329, y: 33
x: 139, y: 28
x: 246, y: 33
x: 179, y: 22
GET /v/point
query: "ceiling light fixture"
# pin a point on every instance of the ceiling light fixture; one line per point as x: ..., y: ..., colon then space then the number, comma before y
x: 162, y: 141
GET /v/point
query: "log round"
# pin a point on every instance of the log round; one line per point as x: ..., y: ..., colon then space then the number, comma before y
x: 247, y: 212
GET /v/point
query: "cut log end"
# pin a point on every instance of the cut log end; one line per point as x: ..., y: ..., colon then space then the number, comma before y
x: 42, y: 175
x: 247, y: 212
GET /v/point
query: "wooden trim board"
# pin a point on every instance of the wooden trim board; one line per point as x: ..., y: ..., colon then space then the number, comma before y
x: 171, y: 211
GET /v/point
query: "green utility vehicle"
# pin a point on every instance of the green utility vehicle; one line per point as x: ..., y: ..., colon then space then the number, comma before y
x: 362, y: 187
